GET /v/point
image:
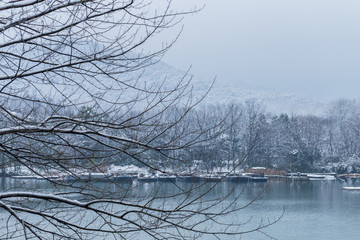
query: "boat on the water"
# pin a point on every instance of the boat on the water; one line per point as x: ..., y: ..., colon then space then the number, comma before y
x: 258, y: 179
x: 147, y: 178
x: 239, y: 178
x: 244, y: 178
x: 28, y: 177
x: 320, y: 177
x: 189, y: 178
x: 211, y: 178
x: 351, y: 188
x: 316, y: 177
x: 164, y: 177
x: 123, y: 178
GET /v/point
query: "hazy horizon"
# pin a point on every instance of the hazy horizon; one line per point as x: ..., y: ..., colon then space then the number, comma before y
x: 310, y: 48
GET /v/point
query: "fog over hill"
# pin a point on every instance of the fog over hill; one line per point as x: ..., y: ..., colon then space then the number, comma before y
x: 225, y: 93
x: 169, y: 77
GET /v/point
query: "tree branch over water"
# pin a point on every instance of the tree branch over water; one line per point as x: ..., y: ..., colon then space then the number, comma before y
x: 74, y: 101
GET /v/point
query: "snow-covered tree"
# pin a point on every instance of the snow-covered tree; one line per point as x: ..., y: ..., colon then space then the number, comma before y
x: 73, y: 100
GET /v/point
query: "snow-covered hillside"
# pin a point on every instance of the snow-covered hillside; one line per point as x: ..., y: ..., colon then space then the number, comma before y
x: 274, y: 102
x: 83, y: 91
x: 224, y: 93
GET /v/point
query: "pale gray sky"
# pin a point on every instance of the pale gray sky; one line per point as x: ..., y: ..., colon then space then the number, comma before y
x: 308, y: 47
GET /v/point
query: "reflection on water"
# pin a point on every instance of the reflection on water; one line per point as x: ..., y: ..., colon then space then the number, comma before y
x: 314, y: 209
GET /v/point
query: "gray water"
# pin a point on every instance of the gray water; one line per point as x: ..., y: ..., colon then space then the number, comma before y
x: 313, y: 210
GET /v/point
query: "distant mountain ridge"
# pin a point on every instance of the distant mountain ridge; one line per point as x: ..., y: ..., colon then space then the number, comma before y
x: 273, y: 102
x: 162, y: 73
x: 225, y: 93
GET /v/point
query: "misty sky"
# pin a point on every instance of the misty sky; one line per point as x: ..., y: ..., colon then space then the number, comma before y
x: 307, y: 47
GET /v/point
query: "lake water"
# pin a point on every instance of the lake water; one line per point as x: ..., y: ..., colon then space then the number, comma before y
x: 313, y: 209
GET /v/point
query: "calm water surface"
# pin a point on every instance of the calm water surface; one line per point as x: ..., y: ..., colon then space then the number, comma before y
x: 313, y: 210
